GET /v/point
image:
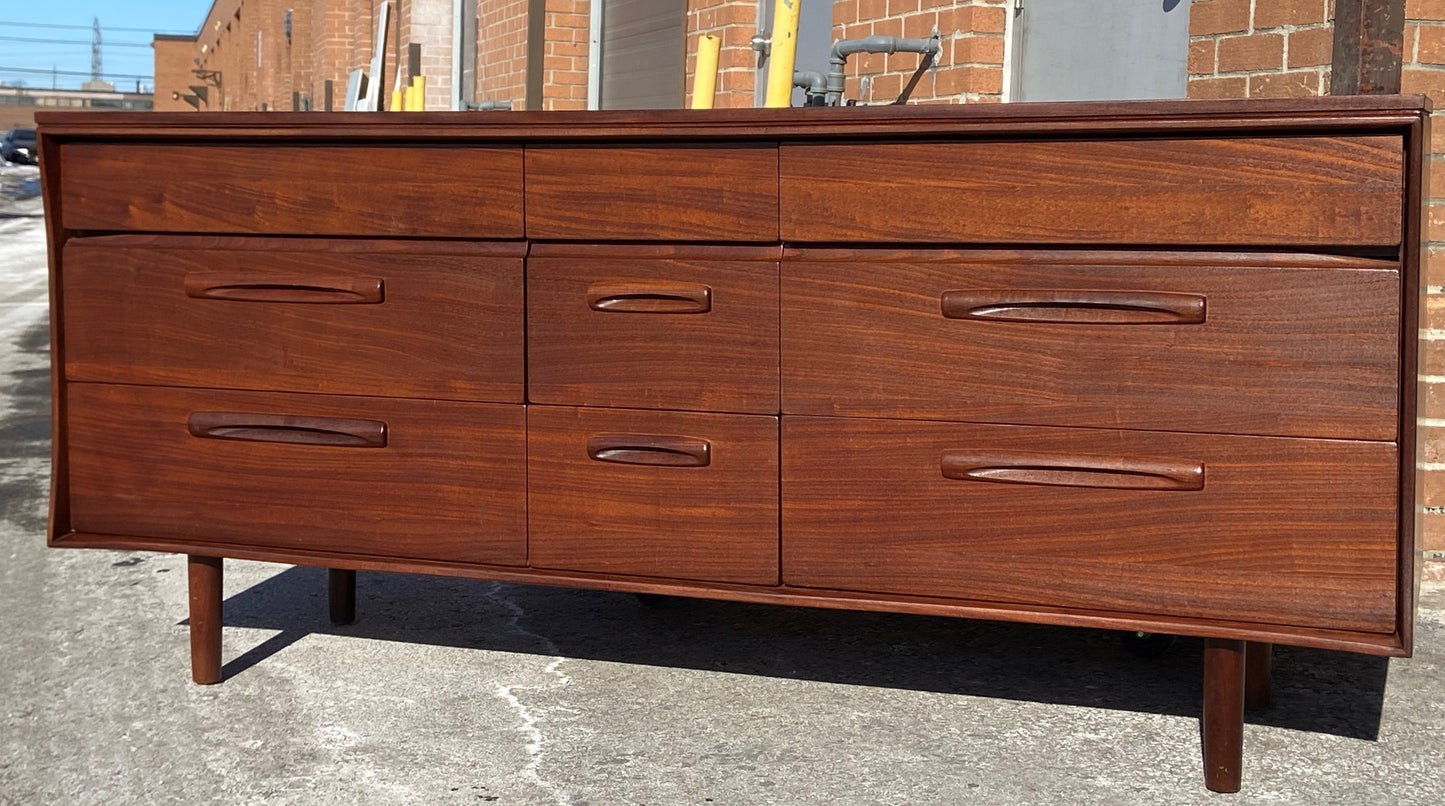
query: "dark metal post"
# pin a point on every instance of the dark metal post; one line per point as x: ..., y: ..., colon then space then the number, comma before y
x: 1369, y: 39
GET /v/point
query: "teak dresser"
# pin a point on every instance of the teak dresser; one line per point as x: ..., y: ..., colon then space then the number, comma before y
x: 1141, y: 366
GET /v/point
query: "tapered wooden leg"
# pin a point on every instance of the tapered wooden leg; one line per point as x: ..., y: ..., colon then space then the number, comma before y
x: 1258, y: 660
x: 341, y: 591
x: 1223, y: 713
x: 204, y: 578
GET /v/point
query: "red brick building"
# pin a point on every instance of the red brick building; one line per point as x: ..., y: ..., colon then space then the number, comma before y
x: 575, y: 54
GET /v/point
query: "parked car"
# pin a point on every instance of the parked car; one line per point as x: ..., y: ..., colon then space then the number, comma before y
x: 18, y: 145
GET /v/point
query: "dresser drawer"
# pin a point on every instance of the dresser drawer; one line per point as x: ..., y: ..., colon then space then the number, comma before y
x: 1297, y: 191
x: 294, y: 189
x: 689, y: 328
x: 659, y: 494
x: 340, y: 317
x: 1282, y: 531
x: 1293, y: 345
x: 356, y: 475
x: 704, y: 192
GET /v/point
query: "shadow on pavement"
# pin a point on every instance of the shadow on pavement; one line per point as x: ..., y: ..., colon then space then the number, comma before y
x: 1314, y: 690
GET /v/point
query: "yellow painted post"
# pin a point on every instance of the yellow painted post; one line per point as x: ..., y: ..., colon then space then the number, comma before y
x: 398, y: 102
x: 784, y: 53
x: 418, y: 94
x: 704, y: 81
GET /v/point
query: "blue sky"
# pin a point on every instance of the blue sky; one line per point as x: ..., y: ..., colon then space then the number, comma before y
x: 121, y: 60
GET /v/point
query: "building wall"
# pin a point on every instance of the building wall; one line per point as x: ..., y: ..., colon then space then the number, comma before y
x: 18, y: 105
x: 564, y: 55
x: 173, y: 74
x: 734, y: 22
x: 427, y: 23
x: 1423, y: 55
x: 261, y: 67
x: 969, y: 68
x: 1248, y: 49
x: 502, y: 51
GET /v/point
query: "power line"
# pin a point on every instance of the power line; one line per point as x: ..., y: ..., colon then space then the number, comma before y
x: 73, y: 42
x: 87, y: 27
x: 70, y: 73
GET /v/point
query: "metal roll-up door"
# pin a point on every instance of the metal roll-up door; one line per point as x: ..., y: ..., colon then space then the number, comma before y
x: 643, y: 54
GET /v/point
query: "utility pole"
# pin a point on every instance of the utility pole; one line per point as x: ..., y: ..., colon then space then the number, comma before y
x: 95, y: 50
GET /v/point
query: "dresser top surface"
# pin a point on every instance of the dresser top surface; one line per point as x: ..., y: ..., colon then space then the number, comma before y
x: 1157, y: 118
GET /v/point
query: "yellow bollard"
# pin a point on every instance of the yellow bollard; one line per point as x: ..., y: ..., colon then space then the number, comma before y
x: 418, y: 94
x: 784, y: 53
x: 398, y: 103
x: 704, y: 82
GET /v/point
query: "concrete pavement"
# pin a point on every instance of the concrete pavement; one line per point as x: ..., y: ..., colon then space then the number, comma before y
x: 454, y: 691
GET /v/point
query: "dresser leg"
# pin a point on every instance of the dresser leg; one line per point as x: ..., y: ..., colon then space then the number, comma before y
x: 1223, y: 737
x: 204, y: 580
x: 1258, y: 661
x: 341, y: 592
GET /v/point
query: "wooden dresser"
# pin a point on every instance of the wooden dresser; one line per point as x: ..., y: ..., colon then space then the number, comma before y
x: 1142, y: 366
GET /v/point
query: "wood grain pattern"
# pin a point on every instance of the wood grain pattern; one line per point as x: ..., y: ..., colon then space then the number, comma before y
x: 1325, y: 171
x: 1143, y: 118
x: 448, y: 325
x: 718, y: 522
x: 450, y: 484
x: 205, y: 589
x: 1414, y: 297
x: 294, y: 190
x: 1222, y: 725
x: 1380, y: 644
x: 1288, y: 531
x: 697, y: 192
x: 1291, y: 345
x: 725, y: 359
x: 1299, y: 191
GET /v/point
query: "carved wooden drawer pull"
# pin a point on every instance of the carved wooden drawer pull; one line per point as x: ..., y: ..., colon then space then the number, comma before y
x: 659, y: 451
x: 649, y: 297
x: 250, y: 427
x: 251, y: 287
x: 1075, y: 307
x: 1059, y: 470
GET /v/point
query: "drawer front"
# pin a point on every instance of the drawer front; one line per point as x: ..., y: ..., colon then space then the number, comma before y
x: 1244, y: 344
x: 294, y: 190
x: 395, y: 478
x: 653, y: 333
x: 653, y: 193
x: 1243, y: 191
x: 299, y: 318
x: 1269, y: 530
x: 657, y: 494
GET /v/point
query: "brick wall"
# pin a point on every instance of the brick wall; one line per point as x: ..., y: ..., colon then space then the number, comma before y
x: 564, y: 58
x: 969, y: 68
x: 502, y: 51
x: 1260, y: 48
x: 1423, y: 57
x: 331, y: 27
x: 427, y: 23
x: 173, y: 72
x: 734, y: 22
x: 261, y: 67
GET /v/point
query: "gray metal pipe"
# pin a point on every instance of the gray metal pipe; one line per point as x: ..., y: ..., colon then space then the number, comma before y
x: 814, y: 84
x: 844, y: 48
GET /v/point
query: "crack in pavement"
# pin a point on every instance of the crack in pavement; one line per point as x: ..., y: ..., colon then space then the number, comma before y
x: 536, y: 738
